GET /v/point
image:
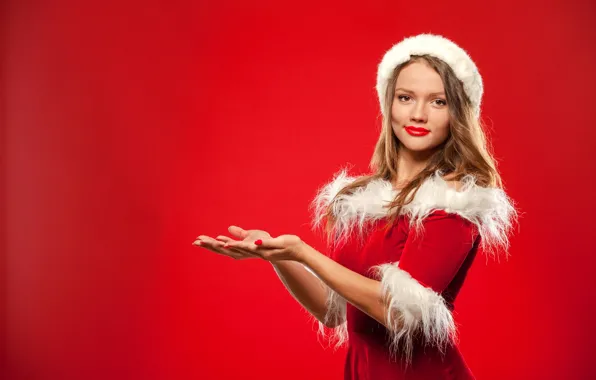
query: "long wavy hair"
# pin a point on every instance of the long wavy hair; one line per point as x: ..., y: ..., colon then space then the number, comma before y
x: 464, y: 152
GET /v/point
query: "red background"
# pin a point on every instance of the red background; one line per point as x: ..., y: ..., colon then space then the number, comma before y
x: 130, y: 129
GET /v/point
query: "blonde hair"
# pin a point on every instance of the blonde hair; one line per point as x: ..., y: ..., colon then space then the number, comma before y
x: 465, y: 152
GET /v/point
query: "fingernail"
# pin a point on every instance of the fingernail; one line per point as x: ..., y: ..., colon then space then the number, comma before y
x: 259, y: 242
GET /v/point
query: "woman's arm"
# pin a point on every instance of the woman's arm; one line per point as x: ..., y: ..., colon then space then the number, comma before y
x: 428, y: 263
x: 302, y: 284
x: 407, y: 299
x: 306, y: 288
x: 323, y: 293
x: 362, y: 292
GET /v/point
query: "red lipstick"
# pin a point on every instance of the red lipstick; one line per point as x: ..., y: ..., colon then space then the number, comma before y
x: 416, y: 131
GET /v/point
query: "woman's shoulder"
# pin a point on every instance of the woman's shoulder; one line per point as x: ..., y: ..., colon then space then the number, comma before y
x: 489, y: 208
x: 438, y: 191
x: 365, y: 202
x: 464, y: 197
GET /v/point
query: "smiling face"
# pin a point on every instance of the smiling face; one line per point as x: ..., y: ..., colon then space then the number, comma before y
x: 420, y: 114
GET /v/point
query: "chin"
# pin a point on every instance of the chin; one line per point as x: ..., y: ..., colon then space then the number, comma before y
x: 417, y: 144
x: 418, y: 148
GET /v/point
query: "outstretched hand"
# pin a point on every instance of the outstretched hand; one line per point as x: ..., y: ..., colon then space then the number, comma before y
x: 254, y: 244
x: 283, y: 247
x: 217, y: 245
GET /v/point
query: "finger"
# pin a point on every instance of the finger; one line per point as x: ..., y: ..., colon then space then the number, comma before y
x: 251, y: 249
x: 238, y: 232
x: 209, y: 246
x: 245, y: 248
x: 237, y: 250
x: 209, y: 241
x: 248, y: 246
x: 243, y: 252
x: 223, y: 247
x: 205, y: 238
x: 224, y: 239
x: 271, y: 243
x: 216, y: 246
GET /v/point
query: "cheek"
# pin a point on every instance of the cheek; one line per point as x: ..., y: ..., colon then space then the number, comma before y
x: 442, y: 134
x: 441, y: 123
x: 397, y: 113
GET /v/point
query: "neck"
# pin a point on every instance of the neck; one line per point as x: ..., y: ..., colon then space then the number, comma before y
x: 410, y: 164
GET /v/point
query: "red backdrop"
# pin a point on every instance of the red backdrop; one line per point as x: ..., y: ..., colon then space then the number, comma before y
x: 130, y: 129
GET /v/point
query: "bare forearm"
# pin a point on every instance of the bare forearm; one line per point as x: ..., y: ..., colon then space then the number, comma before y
x: 304, y: 286
x: 362, y: 292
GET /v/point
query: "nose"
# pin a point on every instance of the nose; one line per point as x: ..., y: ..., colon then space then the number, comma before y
x: 418, y: 112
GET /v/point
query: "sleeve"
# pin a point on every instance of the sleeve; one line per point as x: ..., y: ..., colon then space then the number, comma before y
x: 412, y: 287
x: 335, y: 316
x: 336, y: 305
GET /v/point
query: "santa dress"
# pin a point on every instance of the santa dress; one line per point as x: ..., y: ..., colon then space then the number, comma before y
x: 421, y: 261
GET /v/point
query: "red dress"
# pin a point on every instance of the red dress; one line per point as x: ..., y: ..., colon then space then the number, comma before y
x: 421, y: 261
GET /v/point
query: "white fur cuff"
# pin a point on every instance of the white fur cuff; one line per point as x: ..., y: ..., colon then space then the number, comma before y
x: 414, y: 310
x: 335, y: 316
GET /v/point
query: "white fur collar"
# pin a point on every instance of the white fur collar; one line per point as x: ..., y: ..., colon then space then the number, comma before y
x: 488, y: 208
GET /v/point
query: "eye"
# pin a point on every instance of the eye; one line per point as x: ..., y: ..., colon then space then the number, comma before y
x: 441, y: 102
x: 400, y: 97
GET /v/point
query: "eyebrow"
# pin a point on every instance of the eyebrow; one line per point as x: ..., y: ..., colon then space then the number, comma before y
x: 411, y: 92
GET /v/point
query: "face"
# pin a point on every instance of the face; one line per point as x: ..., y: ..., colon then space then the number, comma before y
x: 420, y: 114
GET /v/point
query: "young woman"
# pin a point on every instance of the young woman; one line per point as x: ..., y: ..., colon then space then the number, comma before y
x: 402, y: 238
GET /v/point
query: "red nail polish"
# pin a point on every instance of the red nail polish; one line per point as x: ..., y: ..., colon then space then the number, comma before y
x: 259, y: 242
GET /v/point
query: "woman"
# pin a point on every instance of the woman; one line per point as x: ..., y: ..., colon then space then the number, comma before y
x: 402, y: 238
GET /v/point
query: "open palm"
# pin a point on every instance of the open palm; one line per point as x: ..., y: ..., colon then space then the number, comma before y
x: 240, y: 235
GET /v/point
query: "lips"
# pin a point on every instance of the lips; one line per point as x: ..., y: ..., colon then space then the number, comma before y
x: 416, y: 131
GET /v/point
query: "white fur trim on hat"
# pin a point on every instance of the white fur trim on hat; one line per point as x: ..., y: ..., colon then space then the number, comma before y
x: 490, y: 209
x: 437, y: 46
x: 414, y: 310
